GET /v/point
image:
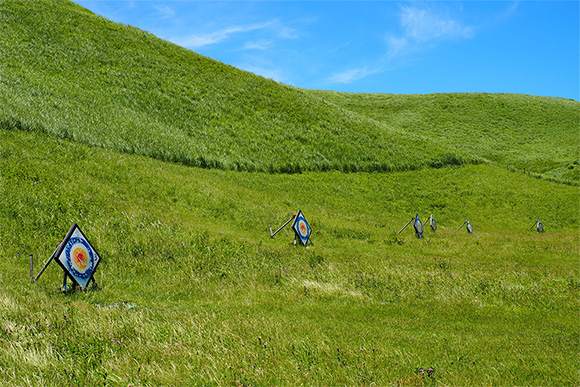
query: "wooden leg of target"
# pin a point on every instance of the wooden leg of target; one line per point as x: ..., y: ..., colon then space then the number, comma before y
x: 31, y: 269
x: 64, y: 282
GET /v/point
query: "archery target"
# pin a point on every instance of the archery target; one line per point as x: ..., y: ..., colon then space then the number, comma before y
x: 469, y: 228
x: 301, y: 228
x: 78, y: 257
x: 540, y: 227
x: 433, y: 223
x: 418, y: 227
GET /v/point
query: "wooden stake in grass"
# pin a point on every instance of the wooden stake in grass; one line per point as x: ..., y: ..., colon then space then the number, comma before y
x: 405, y: 226
x: 467, y: 226
x: 281, y: 227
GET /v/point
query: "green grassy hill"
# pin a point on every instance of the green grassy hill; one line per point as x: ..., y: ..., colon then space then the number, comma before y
x: 76, y: 75
x: 106, y: 126
x: 537, y: 134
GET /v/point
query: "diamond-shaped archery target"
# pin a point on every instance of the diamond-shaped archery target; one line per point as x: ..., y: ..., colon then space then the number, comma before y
x: 301, y: 228
x: 77, y: 257
x: 418, y: 227
x: 540, y: 227
x: 469, y: 228
x: 433, y: 223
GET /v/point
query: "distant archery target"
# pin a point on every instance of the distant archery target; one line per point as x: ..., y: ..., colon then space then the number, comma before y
x: 418, y: 227
x: 468, y: 226
x: 433, y: 223
x: 301, y: 228
x: 78, y: 257
x: 540, y: 226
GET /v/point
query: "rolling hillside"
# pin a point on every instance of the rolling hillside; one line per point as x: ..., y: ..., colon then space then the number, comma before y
x: 76, y: 75
x: 174, y: 166
x: 523, y: 132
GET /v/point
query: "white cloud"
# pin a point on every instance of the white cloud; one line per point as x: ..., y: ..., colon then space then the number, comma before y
x: 351, y: 75
x: 421, y: 29
x: 274, y: 28
x: 423, y: 25
x: 200, y: 40
x: 165, y: 11
x: 260, y: 45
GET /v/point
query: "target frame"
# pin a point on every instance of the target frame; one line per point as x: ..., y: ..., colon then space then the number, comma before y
x: 301, y: 228
x: 469, y: 227
x: 433, y: 223
x: 418, y: 227
x: 77, y: 257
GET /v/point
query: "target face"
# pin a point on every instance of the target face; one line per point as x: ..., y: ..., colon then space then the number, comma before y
x: 433, y: 223
x: 469, y: 228
x: 540, y: 227
x: 301, y: 228
x: 418, y: 227
x: 77, y: 257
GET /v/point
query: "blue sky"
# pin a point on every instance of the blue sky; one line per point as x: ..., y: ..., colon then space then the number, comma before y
x: 526, y: 47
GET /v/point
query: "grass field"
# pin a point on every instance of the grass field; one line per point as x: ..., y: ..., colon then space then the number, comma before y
x: 523, y: 132
x: 192, y: 289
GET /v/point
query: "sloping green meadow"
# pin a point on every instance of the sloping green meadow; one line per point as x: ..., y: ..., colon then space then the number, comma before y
x: 193, y: 290
x: 537, y: 134
x: 106, y: 126
x: 70, y: 73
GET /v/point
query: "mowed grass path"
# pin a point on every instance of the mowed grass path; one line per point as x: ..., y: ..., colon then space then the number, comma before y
x: 193, y: 290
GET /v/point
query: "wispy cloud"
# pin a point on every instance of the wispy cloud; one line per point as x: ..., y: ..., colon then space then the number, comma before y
x: 351, y: 75
x: 421, y: 29
x: 274, y: 27
x: 165, y: 11
x: 205, y: 39
x: 260, y: 45
x: 423, y: 25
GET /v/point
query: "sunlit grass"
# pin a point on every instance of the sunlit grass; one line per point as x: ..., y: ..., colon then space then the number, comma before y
x: 193, y: 290
x: 105, y: 126
x: 537, y: 135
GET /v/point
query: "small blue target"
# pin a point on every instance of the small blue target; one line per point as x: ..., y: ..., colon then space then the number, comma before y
x: 540, y: 226
x: 433, y: 223
x: 418, y: 227
x: 468, y: 226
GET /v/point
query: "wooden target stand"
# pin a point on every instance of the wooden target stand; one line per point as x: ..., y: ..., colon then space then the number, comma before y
x: 77, y: 258
x: 418, y: 225
x: 302, y: 229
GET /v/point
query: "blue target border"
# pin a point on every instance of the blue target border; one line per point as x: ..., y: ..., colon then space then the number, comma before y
x: 418, y: 227
x: 433, y: 223
x: 469, y: 227
x: 71, y: 242
x: 300, y: 216
x: 71, y: 273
